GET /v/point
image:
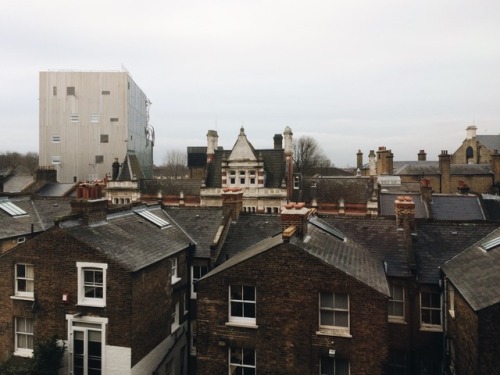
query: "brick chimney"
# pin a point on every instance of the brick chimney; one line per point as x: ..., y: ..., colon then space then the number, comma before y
x: 294, y: 215
x: 385, y: 162
x: 373, y: 163
x: 445, y: 170
x: 91, y: 211
x: 288, y: 153
x: 495, y: 166
x: 232, y: 202
x: 405, y: 218
x: 422, y: 156
x: 359, y: 160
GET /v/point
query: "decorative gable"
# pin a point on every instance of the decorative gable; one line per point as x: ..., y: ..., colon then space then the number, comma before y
x: 242, y: 150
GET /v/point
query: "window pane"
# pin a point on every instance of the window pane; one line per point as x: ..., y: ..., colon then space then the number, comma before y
x: 236, y: 309
x: 426, y: 300
x: 326, y: 318
x: 21, y: 270
x: 341, y: 301
x: 236, y: 292
x: 248, y: 357
x: 397, y: 293
x: 249, y: 310
x: 341, y: 319
x: 426, y: 316
x: 436, y: 316
x: 326, y: 300
x: 248, y: 293
x: 435, y: 300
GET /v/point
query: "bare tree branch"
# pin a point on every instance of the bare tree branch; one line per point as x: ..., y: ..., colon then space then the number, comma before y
x: 308, y: 155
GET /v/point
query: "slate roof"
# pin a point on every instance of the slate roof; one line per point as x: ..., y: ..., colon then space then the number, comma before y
x: 346, y: 256
x: 379, y: 235
x: 412, y: 168
x: 169, y: 186
x: 356, y: 190
x: 131, y: 240
x: 490, y: 141
x: 475, y: 272
x: 387, y: 205
x: 53, y: 189
x: 437, y: 242
x: 202, y: 225
x: 131, y: 169
x: 247, y: 231
x: 457, y: 207
x: 40, y: 213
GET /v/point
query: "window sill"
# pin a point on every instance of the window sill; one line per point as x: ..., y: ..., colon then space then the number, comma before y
x: 396, y: 320
x: 175, y: 280
x: 334, y: 332
x: 452, y: 313
x: 242, y: 325
x: 23, y: 298
x: 91, y: 304
x: 24, y: 353
x: 174, y: 328
x: 430, y: 328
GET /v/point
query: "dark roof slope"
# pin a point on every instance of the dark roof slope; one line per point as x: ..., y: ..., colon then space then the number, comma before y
x: 437, y: 242
x: 169, y: 186
x: 457, y: 207
x: 40, y: 214
x: 380, y: 235
x: 356, y: 190
x: 202, y: 225
x: 490, y: 141
x: 387, y: 205
x: 131, y: 240
x: 475, y: 272
x: 247, y: 231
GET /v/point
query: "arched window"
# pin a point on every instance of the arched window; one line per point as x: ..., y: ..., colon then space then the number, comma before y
x: 469, y: 155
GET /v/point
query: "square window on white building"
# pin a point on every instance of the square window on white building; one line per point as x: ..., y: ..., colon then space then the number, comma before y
x: 56, y: 138
x: 56, y: 159
x: 74, y: 118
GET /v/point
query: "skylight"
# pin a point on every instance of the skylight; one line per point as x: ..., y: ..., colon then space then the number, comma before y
x: 488, y: 245
x: 12, y: 209
x: 158, y: 221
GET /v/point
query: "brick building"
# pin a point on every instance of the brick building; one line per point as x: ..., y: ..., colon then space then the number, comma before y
x: 472, y: 310
x: 301, y: 301
x: 111, y: 284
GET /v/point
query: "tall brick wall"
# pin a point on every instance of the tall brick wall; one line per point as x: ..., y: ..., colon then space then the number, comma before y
x: 489, y: 339
x: 288, y: 282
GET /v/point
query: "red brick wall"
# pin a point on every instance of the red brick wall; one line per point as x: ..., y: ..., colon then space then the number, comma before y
x: 288, y: 282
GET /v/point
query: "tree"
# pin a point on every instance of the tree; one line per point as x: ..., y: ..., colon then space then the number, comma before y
x: 15, y: 159
x: 174, y: 164
x: 308, y: 155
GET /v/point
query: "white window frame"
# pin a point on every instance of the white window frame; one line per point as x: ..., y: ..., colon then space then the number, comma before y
x: 192, y: 339
x: 29, y: 279
x: 194, y: 278
x: 451, y: 298
x: 244, y: 320
x: 336, y: 362
x: 174, y: 270
x: 23, y: 351
x: 90, y: 301
x: 83, y: 320
x: 233, y: 365
x: 334, y: 330
x: 392, y: 300
x: 232, y: 177
x: 426, y: 326
x: 175, y: 318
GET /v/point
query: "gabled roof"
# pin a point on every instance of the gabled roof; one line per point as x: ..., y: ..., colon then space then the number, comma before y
x: 40, y: 214
x: 202, y: 225
x: 131, y: 169
x: 492, y: 142
x: 426, y: 168
x: 345, y: 255
x: 242, y: 149
x: 130, y: 239
x: 475, y: 272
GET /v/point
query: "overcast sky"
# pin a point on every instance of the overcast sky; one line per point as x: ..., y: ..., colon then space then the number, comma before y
x: 355, y: 74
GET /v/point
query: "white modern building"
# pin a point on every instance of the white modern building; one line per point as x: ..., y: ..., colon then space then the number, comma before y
x: 88, y: 119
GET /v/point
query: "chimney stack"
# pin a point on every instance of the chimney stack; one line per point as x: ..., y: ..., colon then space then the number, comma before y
x: 212, y: 144
x: 47, y: 174
x: 385, y: 162
x: 91, y: 211
x: 359, y: 160
x: 422, y: 156
x: 232, y: 202
x: 373, y: 163
x: 294, y: 215
x: 445, y: 170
